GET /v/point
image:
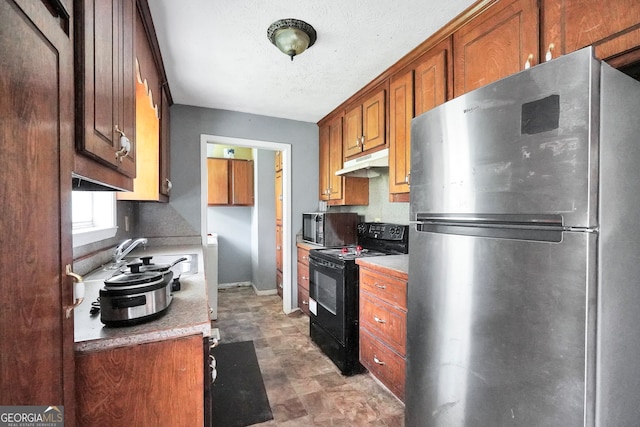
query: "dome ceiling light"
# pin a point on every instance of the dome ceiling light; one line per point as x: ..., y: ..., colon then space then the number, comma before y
x: 291, y: 36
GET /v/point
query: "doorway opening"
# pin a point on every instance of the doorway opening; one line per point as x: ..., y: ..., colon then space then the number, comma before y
x: 287, y: 297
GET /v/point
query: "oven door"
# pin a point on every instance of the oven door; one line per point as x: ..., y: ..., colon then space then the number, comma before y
x: 326, y: 296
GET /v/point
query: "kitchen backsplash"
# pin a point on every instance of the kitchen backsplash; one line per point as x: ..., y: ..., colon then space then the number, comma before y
x: 379, y: 208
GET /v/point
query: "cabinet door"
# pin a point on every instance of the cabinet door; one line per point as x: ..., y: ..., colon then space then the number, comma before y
x: 373, y: 121
x: 611, y: 26
x: 400, y: 115
x: 156, y: 383
x: 241, y: 182
x: 218, y: 181
x: 324, y: 144
x: 335, y: 159
x: 352, y: 143
x: 495, y: 44
x: 165, y: 168
x: 105, y: 33
x: 278, y: 194
x: 279, y: 247
x: 37, y: 114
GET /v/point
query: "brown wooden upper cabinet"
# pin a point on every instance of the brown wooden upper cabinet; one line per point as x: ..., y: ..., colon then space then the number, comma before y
x: 364, y: 123
x: 278, y: 194
x: 412, y: 91
x: 612, y: 27
x: 335, y: 189
x: 230, y: 182
x: 495, y: 44
x: 105, y: 90
x: 152, y: 122
x: 331, y: 159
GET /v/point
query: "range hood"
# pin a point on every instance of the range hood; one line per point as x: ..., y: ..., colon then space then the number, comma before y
x: 361, y: 167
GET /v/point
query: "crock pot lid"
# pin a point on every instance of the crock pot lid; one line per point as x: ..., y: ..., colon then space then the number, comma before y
x: 134, y: 278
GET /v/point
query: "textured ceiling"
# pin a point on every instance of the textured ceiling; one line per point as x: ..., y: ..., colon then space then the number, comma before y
x: 217, y: 55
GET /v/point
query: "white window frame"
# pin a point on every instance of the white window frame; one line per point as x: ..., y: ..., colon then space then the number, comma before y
x: 104, y: 220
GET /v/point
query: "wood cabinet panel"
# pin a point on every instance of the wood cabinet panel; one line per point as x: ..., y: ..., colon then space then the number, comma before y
x: 303, y: 300
x: 386, y: 365
x: 365, y: 124
x: 278, y: 195
x: 495, y: 44
x: 335, y: 189
x: 388, y: 289
x: 303, y: 275
x: 230, y: 182
x: 37, y: 113
x: 241, y: 182
x: 612, y: 27
x: 384, y: 321
x: 218, y: 181
x: 412, y: 92
x: 279, y: 247
x: 105, y: 91
x: 158, y: 383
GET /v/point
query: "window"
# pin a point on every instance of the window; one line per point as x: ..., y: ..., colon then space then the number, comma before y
x: 93, y: 215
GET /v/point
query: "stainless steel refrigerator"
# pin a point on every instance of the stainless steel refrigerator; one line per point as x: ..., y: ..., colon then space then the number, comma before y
x: 524, y: 271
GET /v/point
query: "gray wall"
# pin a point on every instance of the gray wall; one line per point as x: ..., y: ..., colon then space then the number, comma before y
x: 183, y: 213
x: 233, y: 225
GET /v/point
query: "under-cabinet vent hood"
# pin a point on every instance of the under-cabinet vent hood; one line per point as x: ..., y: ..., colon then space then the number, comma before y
x: 361, y: 167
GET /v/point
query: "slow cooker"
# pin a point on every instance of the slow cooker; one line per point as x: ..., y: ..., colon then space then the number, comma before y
x: 135, y: 297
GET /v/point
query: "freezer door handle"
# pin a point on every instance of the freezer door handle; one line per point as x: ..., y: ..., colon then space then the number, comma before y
x: 543, y: 228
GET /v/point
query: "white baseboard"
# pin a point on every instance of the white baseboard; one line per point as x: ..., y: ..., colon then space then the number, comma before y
x: 256, y: 290
x: 264, y: 293
x: 233, y: 285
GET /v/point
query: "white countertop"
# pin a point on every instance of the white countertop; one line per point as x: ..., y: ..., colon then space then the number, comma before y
x: 188, y: 313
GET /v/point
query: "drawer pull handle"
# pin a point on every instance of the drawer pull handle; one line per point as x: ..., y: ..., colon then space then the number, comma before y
x: 305, y: 303
x: 304, y: 278
x: 378, y: 361
x: 380, y: 286
x: 379, y: 320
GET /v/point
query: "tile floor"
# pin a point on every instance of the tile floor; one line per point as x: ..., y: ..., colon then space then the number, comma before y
x: 304, y: 387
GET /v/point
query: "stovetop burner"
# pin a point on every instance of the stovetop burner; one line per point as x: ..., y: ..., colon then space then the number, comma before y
x: 374, y: 239
x: 351, y: 252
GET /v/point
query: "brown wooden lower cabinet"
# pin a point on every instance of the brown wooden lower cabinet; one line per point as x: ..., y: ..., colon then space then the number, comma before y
x: 383, y: 325
x: 303, y: 278
x: 386, y: 365
x: 152, y: 384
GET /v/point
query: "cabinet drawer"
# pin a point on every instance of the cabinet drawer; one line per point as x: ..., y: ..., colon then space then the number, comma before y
x: 383, y: 363
x: 389, y: 289
x: 383, y: 320
x: 303, y: 256
x: 303, y: 300
x: 303, y: 275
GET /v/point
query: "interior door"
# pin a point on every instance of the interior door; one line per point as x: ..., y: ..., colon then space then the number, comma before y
x: 36, y: 111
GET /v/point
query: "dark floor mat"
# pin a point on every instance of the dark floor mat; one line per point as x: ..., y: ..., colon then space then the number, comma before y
x: 238, y: 393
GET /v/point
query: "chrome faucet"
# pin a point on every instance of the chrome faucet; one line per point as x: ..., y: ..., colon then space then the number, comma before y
x: 120, y: 251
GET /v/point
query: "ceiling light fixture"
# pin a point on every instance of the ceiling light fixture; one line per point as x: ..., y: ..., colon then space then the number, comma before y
x: 291, y: 36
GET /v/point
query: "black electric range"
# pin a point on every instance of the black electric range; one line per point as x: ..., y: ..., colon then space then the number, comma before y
x: 334, y: 292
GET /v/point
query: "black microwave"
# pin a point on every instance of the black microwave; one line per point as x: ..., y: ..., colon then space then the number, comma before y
x: 330, y: 229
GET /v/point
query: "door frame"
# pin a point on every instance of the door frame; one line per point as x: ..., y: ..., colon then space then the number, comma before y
x: 287, y: 288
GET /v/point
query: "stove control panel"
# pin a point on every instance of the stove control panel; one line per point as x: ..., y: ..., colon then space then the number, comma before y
x: 382, y: 231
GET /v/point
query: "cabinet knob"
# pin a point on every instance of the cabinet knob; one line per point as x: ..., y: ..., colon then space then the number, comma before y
x: 305, y: 303
x: 125, y: 145
x: 549, y: 54
x: 304, y: 278
x: 380, y: 286
x: 304, y: 257
x: 168, y: 184
x: 378, y: 361
x: 529, y: 62
x: 278, y: 247
x: 379, y: 320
